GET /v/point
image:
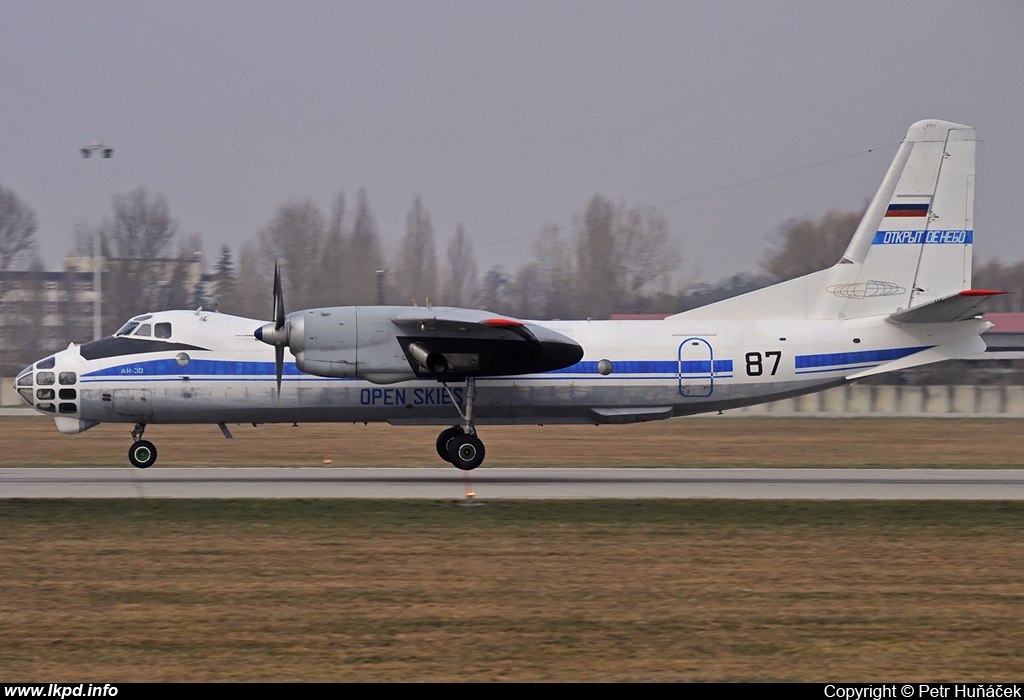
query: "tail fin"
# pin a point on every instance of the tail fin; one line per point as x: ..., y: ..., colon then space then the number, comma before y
x: 914, y: 244
x: 912, y: 247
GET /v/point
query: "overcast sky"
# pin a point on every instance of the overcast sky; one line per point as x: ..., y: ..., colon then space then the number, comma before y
x: 504, y: 116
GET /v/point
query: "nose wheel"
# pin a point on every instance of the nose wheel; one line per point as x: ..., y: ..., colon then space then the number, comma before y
x: 142, y: 453
x: 460, y: 445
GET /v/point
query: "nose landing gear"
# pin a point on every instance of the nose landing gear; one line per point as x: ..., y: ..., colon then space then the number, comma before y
x: 460, y: 445
x: 142, y: 453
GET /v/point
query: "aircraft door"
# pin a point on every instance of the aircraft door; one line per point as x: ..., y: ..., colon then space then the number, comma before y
x: 696, y: 368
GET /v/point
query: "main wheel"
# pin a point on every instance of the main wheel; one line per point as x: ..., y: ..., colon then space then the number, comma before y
x: 142, y: 454
x: 466, y: 452
x: 444, y: 438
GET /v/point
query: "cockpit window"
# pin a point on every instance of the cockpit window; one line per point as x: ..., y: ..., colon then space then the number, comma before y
x: 127, y: 328
x: 25, y: 379
x: 163, y: 330
x: 145, y: 330
x: 46, y: 364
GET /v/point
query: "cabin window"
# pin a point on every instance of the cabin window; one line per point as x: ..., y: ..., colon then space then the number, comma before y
x: 144, y: 331
x: 163, y: 330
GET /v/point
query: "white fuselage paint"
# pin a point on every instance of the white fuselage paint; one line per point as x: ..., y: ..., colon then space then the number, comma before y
x: 660, y: 369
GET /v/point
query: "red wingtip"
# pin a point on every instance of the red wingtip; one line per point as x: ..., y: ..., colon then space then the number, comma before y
x: 980, y: 293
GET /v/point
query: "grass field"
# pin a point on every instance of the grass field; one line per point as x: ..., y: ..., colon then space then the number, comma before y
x: 109, y: 591
x: 413, y: 590
x: 685, y: 442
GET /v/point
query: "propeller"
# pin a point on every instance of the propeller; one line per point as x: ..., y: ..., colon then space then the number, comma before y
x: 275, y: 333
x: 278, y: 325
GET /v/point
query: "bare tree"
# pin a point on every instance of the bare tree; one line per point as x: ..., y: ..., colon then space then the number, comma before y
x: 143, y: 228
x: 644, y: 253
x: 416, y: 267
x: 460, y: 282
x: 365, y: 256
x: 525, y: 293
x: 804, y: 246
x: 294, y: 237
x: 253, y: 286
x: 334, y: 286
x: 493, y: 290
x: 597, y: 280
x: 1003, y: 278
x: 19, y: 334
x: 556, y: 271
x: 17, y: 231
x: 141, y: 276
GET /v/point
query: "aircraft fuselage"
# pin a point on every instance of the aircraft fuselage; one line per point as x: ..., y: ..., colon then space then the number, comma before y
x: 212, y: 370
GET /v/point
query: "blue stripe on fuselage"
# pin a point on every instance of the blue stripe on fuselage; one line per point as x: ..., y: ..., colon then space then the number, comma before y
x: 649, y: 367
x: 229, y: 368
x: 839, y: 360
x: 169, y: 367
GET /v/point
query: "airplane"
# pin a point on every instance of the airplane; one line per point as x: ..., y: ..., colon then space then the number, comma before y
x: 899, y: 297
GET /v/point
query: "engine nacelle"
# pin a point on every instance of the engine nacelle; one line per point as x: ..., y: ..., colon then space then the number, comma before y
x: 349, y: 342
x: 387, y: 344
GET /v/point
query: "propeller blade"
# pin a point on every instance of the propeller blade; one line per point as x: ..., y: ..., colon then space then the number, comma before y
x: 278, y: 299
x: 279, y: 365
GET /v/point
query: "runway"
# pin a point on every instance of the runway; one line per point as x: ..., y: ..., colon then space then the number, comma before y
x: 825, y: 484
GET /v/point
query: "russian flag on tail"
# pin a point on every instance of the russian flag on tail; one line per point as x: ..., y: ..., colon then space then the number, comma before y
x: 907, y: 210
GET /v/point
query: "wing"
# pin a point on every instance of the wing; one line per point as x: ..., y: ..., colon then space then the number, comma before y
x: 386, y: 344
x: 452, y: 343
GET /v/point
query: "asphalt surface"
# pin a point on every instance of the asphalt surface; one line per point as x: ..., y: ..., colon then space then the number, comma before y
x: 825, y: 484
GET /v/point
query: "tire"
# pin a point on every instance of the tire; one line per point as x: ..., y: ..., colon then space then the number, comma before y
x: 443, y: 439
x: 466, y: 452
x: 142, y: 454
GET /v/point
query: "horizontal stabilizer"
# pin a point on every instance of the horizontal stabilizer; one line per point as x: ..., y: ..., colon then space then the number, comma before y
x: 971, y: 345
x: 955, y: 307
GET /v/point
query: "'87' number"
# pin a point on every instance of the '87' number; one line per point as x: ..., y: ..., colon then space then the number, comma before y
x: 755, y: 363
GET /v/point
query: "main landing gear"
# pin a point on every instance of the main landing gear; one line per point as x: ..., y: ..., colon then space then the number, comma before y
x: 142, y: 453
x: 459, y: 445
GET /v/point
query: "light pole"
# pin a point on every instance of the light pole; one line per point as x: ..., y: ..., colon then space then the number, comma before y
x: 100, y: 151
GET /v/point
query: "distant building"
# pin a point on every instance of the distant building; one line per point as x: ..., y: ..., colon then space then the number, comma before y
x: 42, y: 311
